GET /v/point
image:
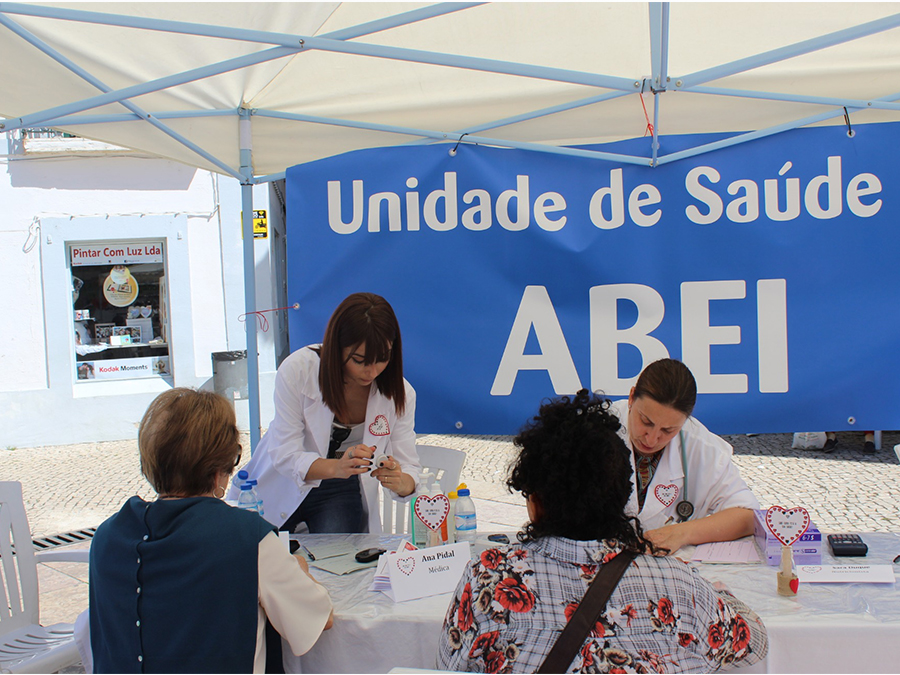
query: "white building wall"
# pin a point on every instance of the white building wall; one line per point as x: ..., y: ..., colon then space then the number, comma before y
x: 49, y: 200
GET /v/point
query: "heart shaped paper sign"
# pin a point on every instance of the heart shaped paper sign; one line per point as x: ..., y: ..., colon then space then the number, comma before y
x: 406, y: 565
x: 432, y: 510
x: 788, y: 525
x: 666, y: 493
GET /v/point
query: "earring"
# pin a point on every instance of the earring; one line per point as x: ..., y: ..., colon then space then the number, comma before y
x: 221, y: 496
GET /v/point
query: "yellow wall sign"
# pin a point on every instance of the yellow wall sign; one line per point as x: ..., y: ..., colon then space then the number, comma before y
x: 260, y: 224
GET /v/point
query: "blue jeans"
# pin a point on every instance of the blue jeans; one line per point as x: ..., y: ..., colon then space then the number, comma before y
x: 335, y: 506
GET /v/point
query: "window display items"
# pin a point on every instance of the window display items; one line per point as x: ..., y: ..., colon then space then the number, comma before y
x: 102, y: 332
x: 133, y: 333
x: 120, y: 288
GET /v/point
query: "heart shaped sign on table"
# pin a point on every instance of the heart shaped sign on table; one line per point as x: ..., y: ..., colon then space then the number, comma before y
x: 406, y: 565
x: 788, y: 525
x: 432, y: 510
x: 666, y: 493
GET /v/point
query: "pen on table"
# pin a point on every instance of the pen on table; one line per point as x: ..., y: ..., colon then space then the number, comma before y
x: 308, y: 552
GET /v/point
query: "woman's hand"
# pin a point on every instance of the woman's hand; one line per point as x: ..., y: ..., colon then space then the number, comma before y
x: 302, y: 562
x: 391, y: 477
x: 356, y: 460
x: 670, y: 537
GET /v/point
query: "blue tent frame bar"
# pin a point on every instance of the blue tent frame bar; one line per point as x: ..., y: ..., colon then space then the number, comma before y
x: 134, y: 108
x: 287, y: 45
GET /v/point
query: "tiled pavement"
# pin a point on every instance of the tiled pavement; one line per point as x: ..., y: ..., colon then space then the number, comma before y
x: 78, y: 486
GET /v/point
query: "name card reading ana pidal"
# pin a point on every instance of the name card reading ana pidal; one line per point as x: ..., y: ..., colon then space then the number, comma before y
x: 428, y: 571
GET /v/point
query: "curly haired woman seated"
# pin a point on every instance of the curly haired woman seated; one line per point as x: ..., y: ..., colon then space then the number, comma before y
x: 512, y: 602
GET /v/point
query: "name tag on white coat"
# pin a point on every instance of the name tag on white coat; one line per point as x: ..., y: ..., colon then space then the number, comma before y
x: 428, y: 571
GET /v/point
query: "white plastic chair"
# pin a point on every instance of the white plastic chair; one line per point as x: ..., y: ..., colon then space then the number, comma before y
x: 445, y: 463
x: 25, y: 645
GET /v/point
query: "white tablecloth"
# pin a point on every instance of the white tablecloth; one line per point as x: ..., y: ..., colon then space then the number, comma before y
x: 826, y: 628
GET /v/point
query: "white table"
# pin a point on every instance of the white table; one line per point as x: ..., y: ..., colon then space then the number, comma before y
x: 826, y: 628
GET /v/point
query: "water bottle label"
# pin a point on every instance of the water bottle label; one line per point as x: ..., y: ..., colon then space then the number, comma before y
x: 465, y: 521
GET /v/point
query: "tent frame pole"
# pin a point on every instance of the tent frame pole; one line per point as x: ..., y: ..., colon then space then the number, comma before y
x: 246, y: 148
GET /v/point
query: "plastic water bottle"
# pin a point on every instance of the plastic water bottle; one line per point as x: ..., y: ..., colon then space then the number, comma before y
x: 259, y: 502
x: 246, y: 500
x: 240, y: 478
x: 466, y: 522
x: 451, y: 517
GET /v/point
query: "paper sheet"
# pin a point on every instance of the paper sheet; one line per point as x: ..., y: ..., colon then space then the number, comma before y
x: 333, y: 550
x: 342, y: 564
x: 740, y: 551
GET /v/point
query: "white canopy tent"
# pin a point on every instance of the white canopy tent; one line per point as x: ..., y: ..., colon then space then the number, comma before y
x: 248, y: 89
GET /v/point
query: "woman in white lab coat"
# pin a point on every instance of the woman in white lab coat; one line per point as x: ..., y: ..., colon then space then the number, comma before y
x: 338, y: 406
x: 686, y: 489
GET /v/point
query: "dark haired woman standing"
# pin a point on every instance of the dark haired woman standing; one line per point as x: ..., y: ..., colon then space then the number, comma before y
x: 512, y: 602
x: 686, y: 488
x: 338, y: 405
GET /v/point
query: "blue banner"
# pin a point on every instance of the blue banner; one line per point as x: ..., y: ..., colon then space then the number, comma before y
x: 770, y: 268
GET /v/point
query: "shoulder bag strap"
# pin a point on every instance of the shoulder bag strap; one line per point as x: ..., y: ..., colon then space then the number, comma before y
x: 585, y: 617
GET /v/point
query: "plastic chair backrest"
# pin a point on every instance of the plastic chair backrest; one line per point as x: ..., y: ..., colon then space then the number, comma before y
x: 445, y: 463
x: 18, y: 573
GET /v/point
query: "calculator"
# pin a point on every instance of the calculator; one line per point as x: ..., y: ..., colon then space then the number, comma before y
x: 847, y: 544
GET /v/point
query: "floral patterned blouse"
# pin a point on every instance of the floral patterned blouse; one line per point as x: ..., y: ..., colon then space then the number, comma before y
x: 512, y: 603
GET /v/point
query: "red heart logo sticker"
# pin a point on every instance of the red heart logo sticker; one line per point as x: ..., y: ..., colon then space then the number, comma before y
x: 788, y: 525
x: 667, y: 494
x: 406, y: 565
x: 794, y: 584
x: 380, y: 426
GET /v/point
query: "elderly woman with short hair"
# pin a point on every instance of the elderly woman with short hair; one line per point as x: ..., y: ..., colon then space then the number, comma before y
x: 185, y: 582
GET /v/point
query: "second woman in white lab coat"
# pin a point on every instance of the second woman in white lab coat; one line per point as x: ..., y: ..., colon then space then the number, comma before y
x: 338, y: 406
x: 686, y: 489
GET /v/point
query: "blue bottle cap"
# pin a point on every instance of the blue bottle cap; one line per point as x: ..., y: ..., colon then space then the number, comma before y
x: 243, y: 475
x: 246, y: 486
x: 463, y: 493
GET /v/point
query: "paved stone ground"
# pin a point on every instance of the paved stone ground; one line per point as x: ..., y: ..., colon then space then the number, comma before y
x: 78, y: 486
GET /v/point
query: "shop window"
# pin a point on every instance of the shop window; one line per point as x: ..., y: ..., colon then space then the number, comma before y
x: 120, y: 310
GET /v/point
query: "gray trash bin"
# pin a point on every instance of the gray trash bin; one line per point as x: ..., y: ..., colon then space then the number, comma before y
x: 230, y: 374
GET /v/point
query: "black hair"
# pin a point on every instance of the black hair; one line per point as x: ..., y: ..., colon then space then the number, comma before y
x: 573, y: 463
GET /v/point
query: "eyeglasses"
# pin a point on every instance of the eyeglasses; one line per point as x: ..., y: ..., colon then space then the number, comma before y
x: 339, y: 434
x: 237, y: 460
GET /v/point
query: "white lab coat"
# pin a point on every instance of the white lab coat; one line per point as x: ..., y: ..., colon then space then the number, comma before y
x: 714, y: 482
x: 301, y: 432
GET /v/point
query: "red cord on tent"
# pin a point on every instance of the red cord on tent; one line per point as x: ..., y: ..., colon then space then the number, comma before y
x: 262, y: 320
x: 646, y: 117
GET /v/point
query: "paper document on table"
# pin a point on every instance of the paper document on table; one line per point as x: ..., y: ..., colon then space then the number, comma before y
x: 342, y: 564
x: 838, y: 574
x: 332, y: 550
x: 740, y: 551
